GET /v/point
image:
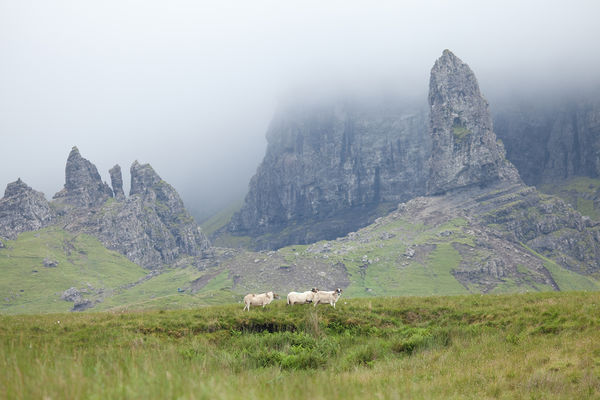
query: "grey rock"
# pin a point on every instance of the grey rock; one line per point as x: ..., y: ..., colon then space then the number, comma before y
x: 82, y: 305
x: 116, y: 179
x: 48, y: 263
x: 83, y: 184
x: 328, y: 168
x: 551, y: 140
x: 23, y: 209
x: 152, y: 227
x: 71, y: 294
x: 464, y: 148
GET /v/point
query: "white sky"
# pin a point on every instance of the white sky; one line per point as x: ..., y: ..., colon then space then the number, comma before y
x: 190, y: 86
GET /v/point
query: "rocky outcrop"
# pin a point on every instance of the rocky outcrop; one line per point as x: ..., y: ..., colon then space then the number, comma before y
x: 464, y: 148
x: 83, y: 185
x: 514, y: 229
x: 23, y: 209
x: 152, y: 227
x: 116, y: 180
x: 549, y: 141
x: 329, y: 167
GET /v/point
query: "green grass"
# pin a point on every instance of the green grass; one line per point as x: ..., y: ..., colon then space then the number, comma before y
x: 104, y: 276
x: 460, y: 132
x: 83, y: 262
x: 565, y: 279
x: 532, y: 346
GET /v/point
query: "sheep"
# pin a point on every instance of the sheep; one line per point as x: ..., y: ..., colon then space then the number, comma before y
x: 301, y: 298
x: 259, y: 299
x: 324, y: 297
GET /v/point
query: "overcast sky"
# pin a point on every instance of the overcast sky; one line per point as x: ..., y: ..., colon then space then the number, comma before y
x: 190, y: 86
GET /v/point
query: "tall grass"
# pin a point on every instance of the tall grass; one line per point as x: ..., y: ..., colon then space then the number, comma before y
x: 520, y: 346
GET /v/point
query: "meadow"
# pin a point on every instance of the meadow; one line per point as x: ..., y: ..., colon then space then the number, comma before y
x: 519, y: 346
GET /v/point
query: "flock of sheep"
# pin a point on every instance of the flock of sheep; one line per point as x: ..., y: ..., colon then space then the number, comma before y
x: 314, y: 296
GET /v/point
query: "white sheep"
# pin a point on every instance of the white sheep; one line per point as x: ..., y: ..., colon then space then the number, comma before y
x: 324, y: 297
x: 259, y: 299
x: 301, y: 298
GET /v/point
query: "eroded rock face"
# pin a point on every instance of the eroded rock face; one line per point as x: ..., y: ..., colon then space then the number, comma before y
x: 328, y: 167
x: 551, y: 140
x: 464, y: 148
x: 152, y: 227
x: 116, y: 179
x: 83, y: 184
x: 23, y: 209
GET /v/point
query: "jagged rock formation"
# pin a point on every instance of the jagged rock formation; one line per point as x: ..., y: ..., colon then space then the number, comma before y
x: 116, y: 180
x: 83, y: 185
x: 551, y: 140
x: 464, y: 148
x: 23, y: 209
x: 152, y: 227
x: 329, y: 167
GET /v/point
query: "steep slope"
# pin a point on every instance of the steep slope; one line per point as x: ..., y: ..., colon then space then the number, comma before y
x: 332, y: 168
x: 553, y: 138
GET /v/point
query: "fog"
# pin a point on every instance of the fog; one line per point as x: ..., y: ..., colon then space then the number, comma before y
x: 190, y: 86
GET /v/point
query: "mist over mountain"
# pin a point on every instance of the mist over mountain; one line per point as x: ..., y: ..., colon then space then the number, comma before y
x: 193, y: 86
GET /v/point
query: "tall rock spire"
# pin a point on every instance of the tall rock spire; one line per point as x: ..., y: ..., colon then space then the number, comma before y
x: 83, y: 185
x: 464, y: 147
x: 116, y: 179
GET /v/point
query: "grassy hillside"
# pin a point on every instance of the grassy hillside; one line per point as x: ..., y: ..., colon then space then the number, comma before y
x: 531, y: 346
x: 392, y: 257
x: 103, y: 276
x: 398, y: 257
x: 26, y: 285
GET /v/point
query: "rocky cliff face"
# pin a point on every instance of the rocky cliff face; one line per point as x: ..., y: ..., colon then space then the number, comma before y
x: 23, y: 209
x: 464, y: 148
x: 83, y: 185
x: 551, y: 140
x: 329, y: 167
